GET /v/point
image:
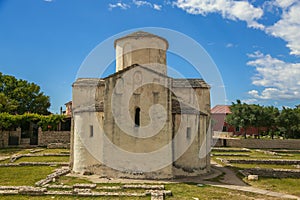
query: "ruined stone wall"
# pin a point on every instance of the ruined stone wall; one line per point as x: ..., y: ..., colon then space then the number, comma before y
x: 273, y: 173
x: 4, y: 137
x: 48, y: 137
x: 259, y: 143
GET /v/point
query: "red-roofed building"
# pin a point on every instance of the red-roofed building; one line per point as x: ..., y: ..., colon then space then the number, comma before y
x: 218, y: 115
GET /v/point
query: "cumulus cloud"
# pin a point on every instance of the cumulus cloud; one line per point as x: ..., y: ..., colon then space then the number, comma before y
x: 288, y: 27
x: 146, y: 3
x: 121, y: 5
x: 157, y: 7
x: 279, y: 79
x: 141, y: 3
x: 229, y: 9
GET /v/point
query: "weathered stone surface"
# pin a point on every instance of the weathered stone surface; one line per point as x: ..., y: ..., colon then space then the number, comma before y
x: 144, y: 186
x: 110, y: 188
x: 258, y: 143
x: 58, y: 146
x: 49, y: 178
x: 32, y: 190
x: 252, y: 177
x: 83, y: 186
x: 58, y: 186
x: 274, y: 173
x: 82, y: 191
x: 266, y: 161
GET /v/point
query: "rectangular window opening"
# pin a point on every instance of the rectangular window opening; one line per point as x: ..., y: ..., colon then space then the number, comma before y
x: 188, y: 132
x: 91, y: 131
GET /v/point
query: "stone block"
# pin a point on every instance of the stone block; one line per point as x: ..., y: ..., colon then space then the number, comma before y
x: 252, y: 177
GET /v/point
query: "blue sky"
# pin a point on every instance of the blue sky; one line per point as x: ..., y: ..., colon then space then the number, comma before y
x: 255, y: 44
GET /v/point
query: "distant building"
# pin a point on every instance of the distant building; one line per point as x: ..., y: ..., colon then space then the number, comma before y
x: 221, y: 128
x: 68, y: 111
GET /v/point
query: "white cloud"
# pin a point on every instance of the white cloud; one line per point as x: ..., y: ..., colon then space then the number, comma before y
x: 157, y: 7
x: 249, y: 101
x: 284, y: 3
x: 229, y: 9
x: 121, y: 5
x: 141, y: 3
x: 288, y: 27
x: 146, y: 3
x: 49, y: 1
x: 279, y: 79
x: 231, y: 45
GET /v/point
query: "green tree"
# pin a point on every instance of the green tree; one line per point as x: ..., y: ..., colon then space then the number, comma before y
x: 270, y: 119
x: 241, y: 116
x: 18, y: 96
x: 288, y: 121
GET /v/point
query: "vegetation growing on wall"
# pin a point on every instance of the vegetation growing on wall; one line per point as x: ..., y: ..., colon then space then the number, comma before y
x: 47, y: 122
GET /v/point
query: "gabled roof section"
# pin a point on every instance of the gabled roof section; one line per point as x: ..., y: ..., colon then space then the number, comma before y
x: 88, y: 82
x: 133, y: 66
x: 139, y: 34
x: 181, y: 108
x: 187, y: 83
x: 221, y: 109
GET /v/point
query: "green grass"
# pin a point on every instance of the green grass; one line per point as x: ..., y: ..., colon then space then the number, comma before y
x: 68, y: 180
x: 26, y: 175
x: 284, y: 185
x: 258, y: 155
x: 9, y: 151
x: 187, y: 191
x: 56, y: 151
x: 265, y: 166
x: 44, y: 159
x: 51, y: 197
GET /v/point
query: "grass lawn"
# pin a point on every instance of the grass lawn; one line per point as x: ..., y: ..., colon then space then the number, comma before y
x: 44, y: 159
x: 265, y: 166
x: 284, y: 185
x: 68, y: 180
x: 10, y: 151
x: 55, y: 151
x: 186, y: 191
x: 50, y: 197
x: 25, y: 175
x: 258, y: 155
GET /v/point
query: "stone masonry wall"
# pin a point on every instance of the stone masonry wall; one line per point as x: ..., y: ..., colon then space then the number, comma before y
x: 4, y: 137
x: 259, y: 143
x: 47, y: 137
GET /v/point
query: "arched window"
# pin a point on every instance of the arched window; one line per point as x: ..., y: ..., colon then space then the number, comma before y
x: 137, y: 117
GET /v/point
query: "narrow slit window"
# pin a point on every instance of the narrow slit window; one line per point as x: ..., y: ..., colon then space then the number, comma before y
x: 137, y: 117
x: 91, y: 131
x: 188, y: 132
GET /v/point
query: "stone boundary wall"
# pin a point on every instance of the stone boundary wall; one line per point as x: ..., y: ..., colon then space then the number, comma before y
x: 273, y: 173
x: 48, y: 137
x: 261, y: 161
x: 257, y: 143
x: 4, y: 137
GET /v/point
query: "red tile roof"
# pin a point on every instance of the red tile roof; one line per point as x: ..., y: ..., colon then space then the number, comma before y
x: 221, y: 109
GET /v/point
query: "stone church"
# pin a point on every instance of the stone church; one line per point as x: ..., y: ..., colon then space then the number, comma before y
x: 139, y: 122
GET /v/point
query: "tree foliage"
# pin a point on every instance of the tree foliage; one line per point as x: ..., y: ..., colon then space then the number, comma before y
x: 286, y: 121
x: 9, y: 121
x: 18, y: 96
